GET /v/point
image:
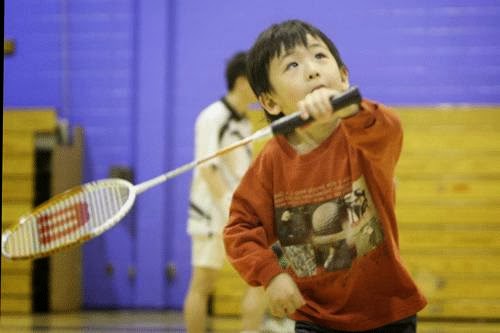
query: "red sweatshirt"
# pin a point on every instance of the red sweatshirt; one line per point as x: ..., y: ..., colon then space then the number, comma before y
x: 332, y: 211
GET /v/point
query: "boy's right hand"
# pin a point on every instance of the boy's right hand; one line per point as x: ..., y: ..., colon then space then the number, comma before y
x: 317, y: 104
x: 283, y: 296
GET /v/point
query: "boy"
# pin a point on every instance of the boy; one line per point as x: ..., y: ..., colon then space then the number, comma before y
x: 326, y: 192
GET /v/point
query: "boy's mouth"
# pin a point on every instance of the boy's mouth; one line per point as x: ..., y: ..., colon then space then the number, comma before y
x: 318, y: 87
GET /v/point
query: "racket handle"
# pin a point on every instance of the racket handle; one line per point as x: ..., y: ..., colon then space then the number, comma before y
x: 287, y: 124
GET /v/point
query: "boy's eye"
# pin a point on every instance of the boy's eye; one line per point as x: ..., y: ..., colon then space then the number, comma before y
x: 291, y: 65
x: 320, y: 55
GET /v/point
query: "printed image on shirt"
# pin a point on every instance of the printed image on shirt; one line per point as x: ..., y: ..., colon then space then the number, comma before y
x: 330, y: 234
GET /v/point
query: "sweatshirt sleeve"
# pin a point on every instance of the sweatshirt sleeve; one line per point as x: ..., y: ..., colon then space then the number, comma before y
x: 376, y: 131
x: 249, y: 234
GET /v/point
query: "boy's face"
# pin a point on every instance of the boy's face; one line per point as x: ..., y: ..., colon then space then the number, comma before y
x: 298, y: 72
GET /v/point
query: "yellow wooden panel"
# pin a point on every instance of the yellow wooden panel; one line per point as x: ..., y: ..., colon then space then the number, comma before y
x: 428, y: 165
x: 463, y: 307
x: 11, y: 211
x: 420, y: 118
x: 16, y: 266
x: 229, y: 291
x: 230, y: 286
x: 257, y: 119
x: 18, y: 165
x: 456, y: 326
x: 454, y: 265
x: 451, y: 142
x: 445, y: 189
x: 438, y: 239
x: 229, y: 324
x: 449, y: 203
x: 16, y: 142
x: 227, y: 269
x: 19, y: 127
x: 18, y: 189
x: 411, y: 212
x: 19, y: 284
x: 8, y: 224
x: 467, y: 130
x: 40, y: 119
x: 457, y: 131
x: 452, y: 289
x: 438, y: 286
x: 227, y: 305
x: 16, y: 305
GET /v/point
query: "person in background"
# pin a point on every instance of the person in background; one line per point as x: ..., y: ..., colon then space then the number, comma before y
x: 217, y: 126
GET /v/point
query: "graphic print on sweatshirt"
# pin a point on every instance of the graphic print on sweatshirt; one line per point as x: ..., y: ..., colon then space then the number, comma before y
x: 326, y: 228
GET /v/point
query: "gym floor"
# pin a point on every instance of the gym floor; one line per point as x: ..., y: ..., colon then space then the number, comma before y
x: 169, y: 321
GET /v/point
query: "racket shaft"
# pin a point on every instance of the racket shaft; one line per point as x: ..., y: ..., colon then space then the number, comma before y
x: 283, y: 125
x: 139, y: 188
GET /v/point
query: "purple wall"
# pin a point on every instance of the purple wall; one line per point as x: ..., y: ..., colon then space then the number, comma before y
x: 135, y: 74
x: 101, y: 71
x: 33, y: 77
x: 154, y: 141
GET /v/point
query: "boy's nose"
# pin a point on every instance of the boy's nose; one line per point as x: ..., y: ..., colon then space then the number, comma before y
x: 311, y: 70
x: 314, y: 74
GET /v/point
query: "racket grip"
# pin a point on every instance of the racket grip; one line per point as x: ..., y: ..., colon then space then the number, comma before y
x: 287, y: 124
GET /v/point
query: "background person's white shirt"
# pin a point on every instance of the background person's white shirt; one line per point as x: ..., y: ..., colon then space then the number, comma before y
x: 217, y: 126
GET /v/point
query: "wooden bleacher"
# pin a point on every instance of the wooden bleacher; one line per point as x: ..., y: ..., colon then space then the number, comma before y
x: 18, y: 177
x: 22, y: 130
x: 448, y: 206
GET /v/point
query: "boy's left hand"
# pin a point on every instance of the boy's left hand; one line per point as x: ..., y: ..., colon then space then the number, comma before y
x: 283, y: 296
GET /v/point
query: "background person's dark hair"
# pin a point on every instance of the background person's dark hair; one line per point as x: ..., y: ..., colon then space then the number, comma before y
x: 236, y: 67
x: 274, y: 40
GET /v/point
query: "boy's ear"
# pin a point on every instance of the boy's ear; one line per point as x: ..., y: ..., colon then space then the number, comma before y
x: 269, y: 104
x: 344, y: 76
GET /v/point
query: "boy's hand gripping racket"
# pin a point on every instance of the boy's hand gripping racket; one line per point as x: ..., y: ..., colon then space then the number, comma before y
x: 88, y: 210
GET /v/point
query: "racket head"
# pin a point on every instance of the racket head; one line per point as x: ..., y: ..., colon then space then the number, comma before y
x: 70, y: 218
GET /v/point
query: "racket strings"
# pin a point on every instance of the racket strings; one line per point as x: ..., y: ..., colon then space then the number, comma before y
x: 106, y: 203
x: 66, y: 221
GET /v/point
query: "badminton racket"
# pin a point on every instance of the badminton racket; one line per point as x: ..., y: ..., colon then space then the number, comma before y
x: 86, y: 211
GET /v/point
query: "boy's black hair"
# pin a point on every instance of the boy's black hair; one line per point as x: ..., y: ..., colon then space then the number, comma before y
x: 274, y: 40
x: 236, y: 67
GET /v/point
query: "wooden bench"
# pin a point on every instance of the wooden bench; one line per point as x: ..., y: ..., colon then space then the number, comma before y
x: 21, y: 130
x: 18, y: 157
x: 448, y: 208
